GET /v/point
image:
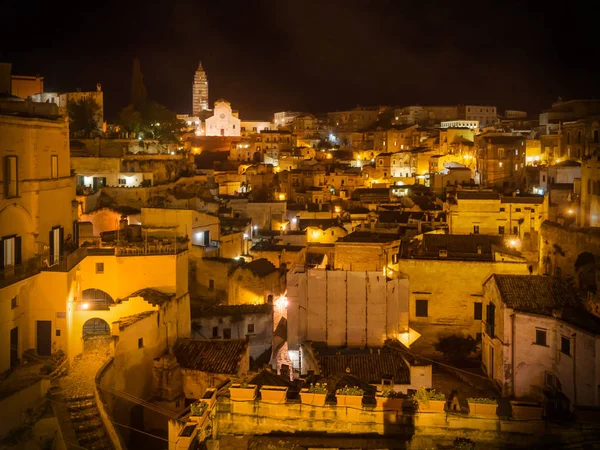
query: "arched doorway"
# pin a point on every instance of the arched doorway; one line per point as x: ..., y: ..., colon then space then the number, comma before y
x: 96, y: 334
x: 95, y: 300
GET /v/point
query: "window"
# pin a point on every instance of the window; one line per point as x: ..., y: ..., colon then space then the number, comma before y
x: 421, y: 308
x: 502, y: 209
x: 544, y: 178
x: 540, y: 337
x: 57, y: 332
x: 395, y: 258
x: 226, y: 333
x: 141, y: 343
x: 516, y: 230
x: 501, y: 230
x: 122, y: 181
x: 99, y: 267
x: 250, y: 328
x: 54, y: 166
x: 565, y: 345
x: 595, y: 135
x: 477, y: 310
x: 215, y: 332
x: 500, y: 164
x: 517, y: 209
x: 381, y: 161
x: 211, y: 285
x: 13, y: 302
x: 516, y: 152
x: 475, y: 229
x: 10, y: 247
x: 11, y: 187
x: 500, y: 153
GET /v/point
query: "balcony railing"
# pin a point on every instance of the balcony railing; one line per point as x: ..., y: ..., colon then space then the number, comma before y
x: 18, y: 272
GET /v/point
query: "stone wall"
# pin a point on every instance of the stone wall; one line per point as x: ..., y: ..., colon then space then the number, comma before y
x: 560, y: 246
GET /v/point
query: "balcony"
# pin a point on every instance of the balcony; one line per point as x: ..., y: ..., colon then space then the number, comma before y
x: 18, y: 272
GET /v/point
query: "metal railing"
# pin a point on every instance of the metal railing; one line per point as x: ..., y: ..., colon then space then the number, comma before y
x: 18, y: 272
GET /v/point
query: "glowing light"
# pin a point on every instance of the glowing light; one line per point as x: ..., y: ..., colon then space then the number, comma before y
x: 513, y: 242
x: 245, y: 235
x: 255, y: 227
x: 294, y: 220
x: 338, y: 209
x: 172, y: 153
x: 85, y: 306
x: 281, y: 196
x: 315, y: 234
x: 570, y: 212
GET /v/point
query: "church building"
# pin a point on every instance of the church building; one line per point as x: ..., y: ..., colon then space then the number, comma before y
x: 224, y: 121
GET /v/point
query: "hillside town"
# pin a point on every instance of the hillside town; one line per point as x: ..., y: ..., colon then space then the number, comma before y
x: 387, y: 276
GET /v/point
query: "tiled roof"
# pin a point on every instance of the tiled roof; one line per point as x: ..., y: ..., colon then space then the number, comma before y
x: 477, y: 196
x: 370, y: 367
x: 151, y: 295
x: 260, y: 267
x: 369, y: 237
x: 529, y: 199
x: 535, y: 293
x: 127, y: 321
x: 213, y: 356
x: 459, y: 245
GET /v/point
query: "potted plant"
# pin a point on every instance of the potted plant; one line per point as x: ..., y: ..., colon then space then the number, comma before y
x: 210, y: 396
x: 522, y: 410
x: 197, y: 410
x: 242, y: 392
x: 430, y: 400
x: 482, y: 406
x: 273, y: 394
x: 349, y: 396
x: 314, y: 395
x: 389, y: 399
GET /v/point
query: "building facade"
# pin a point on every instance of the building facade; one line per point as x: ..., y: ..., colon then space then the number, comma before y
x: 223, y: 122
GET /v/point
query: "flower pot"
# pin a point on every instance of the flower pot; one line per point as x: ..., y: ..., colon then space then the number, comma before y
x: 210, y: 397
x: 389, y: 403
x: 273, y: 394
x: 349, y: 400
x: 526, y: 410
x: 482, y: 409
x: 309, y: 398
x: 432, y: 405
x: 238, y: 393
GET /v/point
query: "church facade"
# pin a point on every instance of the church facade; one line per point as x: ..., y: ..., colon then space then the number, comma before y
x: 223, y: 122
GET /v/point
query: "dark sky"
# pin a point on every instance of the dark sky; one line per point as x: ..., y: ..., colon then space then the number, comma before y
x: 312, y: 55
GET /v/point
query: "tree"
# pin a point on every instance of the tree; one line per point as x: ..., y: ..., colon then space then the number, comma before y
x: 131, y: 120
x: 456, y: 348
x: 83, y: 115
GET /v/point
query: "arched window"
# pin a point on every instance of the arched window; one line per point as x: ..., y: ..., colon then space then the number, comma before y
x: 95, y: 299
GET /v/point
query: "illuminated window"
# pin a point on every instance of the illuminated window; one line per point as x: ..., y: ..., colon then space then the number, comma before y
x: 500, y: 164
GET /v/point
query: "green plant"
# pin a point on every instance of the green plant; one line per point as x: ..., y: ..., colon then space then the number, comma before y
x: 245, y: 385
x: 318, y: 388
x: 389, y: 393
x: 456, y: 348
x: 424, y: 395
x: 47, y: 368
x: 198, y: 408
x: 485, y: 401
x: 353, y: 390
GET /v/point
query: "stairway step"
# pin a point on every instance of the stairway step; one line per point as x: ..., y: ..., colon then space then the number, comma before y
x: 88, y: 425
x: 80, y: 398
x: 80, y: 406
x: 87, y: 414
x: 91, y: 436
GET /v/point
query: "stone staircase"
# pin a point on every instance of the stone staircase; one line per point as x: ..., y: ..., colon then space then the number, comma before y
x: 86, y: 421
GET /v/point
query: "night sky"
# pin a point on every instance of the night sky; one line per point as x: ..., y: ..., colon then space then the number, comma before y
x: 312, y: 55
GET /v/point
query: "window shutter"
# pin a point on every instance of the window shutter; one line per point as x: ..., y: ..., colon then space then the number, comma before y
x: 61, y: 240
x: 51, y: 240
x: 18, y: 259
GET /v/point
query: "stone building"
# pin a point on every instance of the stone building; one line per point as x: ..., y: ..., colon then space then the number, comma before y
x: 445, y: 273
x: 353, y: 120
x: 255, y: 283
x: 367, y: 251
x: 538, y: 339
x: 589, y: 206
x: 501, y: 160
x: 344, y: 308
x: 486, y: 115
x: 199, y: 91
x: 251, y: 322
